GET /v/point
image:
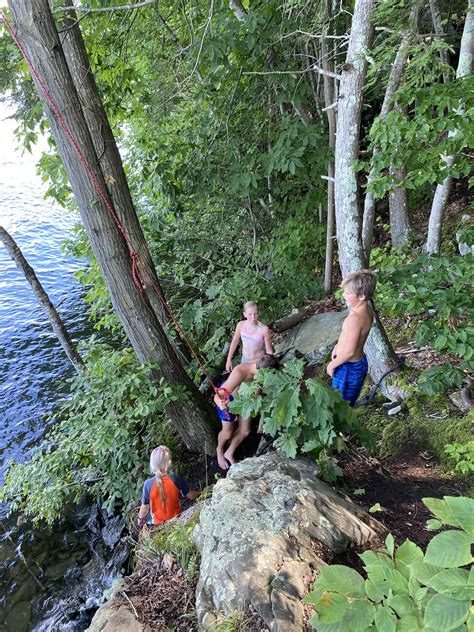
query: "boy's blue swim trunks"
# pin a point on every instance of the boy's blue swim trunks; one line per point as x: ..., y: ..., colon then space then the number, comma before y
x: 349, y: 377
x: 226, y: 415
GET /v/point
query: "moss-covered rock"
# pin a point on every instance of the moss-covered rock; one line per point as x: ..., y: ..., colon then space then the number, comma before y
x: 428, y: 424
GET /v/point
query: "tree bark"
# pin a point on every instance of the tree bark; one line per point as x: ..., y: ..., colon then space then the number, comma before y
x: 440, y: 199
x: 379, y: 352
x: 37, y: 32
x: 398, y: 209
x: 438, y: 27
x: 331, y: 115
x: 44, y: 300
x: 392, y: 86
x: 398, y: 205
x: 105, y: 146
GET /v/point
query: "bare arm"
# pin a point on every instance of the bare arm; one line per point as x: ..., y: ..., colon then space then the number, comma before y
x: 347, y: 344
x: 142, y: 514
x: 231, y: 384
x: 268, y: 341
x: 233, y: 346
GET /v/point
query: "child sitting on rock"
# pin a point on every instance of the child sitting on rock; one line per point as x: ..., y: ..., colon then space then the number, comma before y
x: 256, y: 337
x: 348, y: 366
x: 163, y: 491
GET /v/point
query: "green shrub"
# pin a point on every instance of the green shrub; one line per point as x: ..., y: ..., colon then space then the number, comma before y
x: 461, y: 456
x: 100, y: 446
x: 176, y: 539
x: 406, y: 590
x: 306, y: 416
x: 436, y: 291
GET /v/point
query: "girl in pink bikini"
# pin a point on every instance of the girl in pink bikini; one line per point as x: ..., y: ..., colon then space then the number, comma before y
x: 256, y: 337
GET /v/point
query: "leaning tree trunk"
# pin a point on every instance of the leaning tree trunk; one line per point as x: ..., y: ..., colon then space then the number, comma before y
x: 37, y: 32
x: 440, y: 200
x: 104, y: 143
x: 43, y: 299
x: 392, y: 86
x: 351, y: 254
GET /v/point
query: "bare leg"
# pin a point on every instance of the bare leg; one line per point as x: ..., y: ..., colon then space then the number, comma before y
x: 224, y: 436
x: 242, y: 432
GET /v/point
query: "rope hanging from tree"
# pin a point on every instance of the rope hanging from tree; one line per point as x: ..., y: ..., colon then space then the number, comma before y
x: 139, y: 270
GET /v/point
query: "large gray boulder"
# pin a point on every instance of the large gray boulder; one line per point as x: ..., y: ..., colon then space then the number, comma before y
x: 314, y: 338
x: 257, y: 539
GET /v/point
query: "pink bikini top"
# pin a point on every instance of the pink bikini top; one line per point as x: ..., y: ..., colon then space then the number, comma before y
x: 253, y: 342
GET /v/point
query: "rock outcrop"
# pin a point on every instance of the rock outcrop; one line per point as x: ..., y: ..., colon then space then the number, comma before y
x: 257, y: 539
x: 313, y: 339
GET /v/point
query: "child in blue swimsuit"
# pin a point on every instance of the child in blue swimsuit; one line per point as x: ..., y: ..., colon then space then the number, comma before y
x: 348, y: 366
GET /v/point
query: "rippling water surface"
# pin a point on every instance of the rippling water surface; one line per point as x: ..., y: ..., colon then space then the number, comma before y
x: 32, y: 369
x: 31, y: 360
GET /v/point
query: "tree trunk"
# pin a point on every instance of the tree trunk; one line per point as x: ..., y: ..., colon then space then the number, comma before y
x: 331, y: 114
x: 398, y: 205
x: 440, y: 200
x: 380, y: 354
x: 37, y: 32
x: 392, y: 86
x: 438, y: 27
x: 105, y: 146
x: 44, y: 300
x: 398, y: 210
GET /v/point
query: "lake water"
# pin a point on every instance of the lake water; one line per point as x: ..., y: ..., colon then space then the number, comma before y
x: 33, y: 367
x: 32, y: 363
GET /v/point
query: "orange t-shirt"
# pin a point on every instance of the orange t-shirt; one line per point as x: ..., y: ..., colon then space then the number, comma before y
x: 173, y: 488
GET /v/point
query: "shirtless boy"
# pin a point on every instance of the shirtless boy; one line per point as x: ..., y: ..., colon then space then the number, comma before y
x: 244, y: 372
x: 348, y: 366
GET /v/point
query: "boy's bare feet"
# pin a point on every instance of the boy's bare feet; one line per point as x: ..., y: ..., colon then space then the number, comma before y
x: 229, y: 457
x: 221, y: 460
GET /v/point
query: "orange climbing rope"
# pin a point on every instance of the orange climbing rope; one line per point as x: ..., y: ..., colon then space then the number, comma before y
x: 139, y: 270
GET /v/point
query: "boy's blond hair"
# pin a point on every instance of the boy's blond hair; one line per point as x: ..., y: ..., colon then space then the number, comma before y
x: 362, y: 283
x: 249, y: 304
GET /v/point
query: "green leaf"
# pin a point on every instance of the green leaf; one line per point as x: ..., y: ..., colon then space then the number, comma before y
x: 385, y: 620
x: 345, y: 580
x: 441, y: 510
x: 433, y: 524
x: 424, y: 572
x: 375, y: 508
x: 444, y: 613
x: 389, y: 543
x: 462, y: 509
x: 375, y: 591
x: 331, y: 607
x: 402, y: 604
x: 409, y: 623
x: 453, y: 582
x: 449, y: 549
x: 408, y: 553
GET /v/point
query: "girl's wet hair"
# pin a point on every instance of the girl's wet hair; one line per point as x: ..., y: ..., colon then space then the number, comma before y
x: 160, y: 465
x: 268, y: 361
